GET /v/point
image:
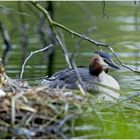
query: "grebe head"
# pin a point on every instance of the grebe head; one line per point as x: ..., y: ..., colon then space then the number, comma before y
x: 100, y: 62
x: 107, y: 59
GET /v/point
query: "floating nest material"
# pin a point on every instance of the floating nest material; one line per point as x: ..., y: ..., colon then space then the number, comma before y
x: 35, y: 112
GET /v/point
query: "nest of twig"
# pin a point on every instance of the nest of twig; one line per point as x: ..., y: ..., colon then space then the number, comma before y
x: 36, y: 112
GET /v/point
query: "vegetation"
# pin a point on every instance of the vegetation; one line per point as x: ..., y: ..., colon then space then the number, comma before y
x: 40, y: 112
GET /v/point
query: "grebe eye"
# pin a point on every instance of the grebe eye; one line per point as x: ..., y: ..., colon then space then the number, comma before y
x: 95, y: 59
x: 105, y: 60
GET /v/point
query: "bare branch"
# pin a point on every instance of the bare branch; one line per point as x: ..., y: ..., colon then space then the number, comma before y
x: 13, y: 10
x: 32, y: 53
x: 53, y: 23
x: 111, y: 49
x: 6, y: 40
x: 104, y: 13
x: 73, y: 65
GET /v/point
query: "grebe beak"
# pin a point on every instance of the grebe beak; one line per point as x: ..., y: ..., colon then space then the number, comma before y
x: 107, y: 59
x: 111, y: 63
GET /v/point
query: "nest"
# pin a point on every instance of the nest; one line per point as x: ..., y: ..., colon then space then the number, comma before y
x: 37, y: 112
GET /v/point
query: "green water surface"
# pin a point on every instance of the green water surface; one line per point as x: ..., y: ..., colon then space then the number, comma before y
x: 118, y: 23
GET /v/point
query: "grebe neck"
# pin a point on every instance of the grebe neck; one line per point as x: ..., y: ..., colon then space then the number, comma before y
x: 95, y: 69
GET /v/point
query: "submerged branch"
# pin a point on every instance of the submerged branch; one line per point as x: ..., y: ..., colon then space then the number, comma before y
x: 6, y: 40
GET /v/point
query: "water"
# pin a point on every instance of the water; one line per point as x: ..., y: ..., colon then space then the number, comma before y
x: 118, y: 25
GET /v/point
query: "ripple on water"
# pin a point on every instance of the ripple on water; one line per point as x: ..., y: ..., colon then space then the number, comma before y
x: 130, y: 45
x: 124, y: 19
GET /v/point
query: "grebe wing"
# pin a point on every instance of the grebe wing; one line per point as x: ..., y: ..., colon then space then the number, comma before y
x: 67, y: 78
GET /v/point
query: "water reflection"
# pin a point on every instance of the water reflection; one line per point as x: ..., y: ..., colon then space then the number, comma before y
x: 124, y: 19
x: 127, y: 28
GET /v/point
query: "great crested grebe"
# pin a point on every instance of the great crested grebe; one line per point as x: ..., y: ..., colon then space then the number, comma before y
x: 94, y: 79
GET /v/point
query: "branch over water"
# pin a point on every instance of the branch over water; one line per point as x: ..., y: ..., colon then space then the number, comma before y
x: 32, y: 53
x: 73, y: 33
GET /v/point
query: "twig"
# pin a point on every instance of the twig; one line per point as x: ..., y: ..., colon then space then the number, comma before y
x: 6, y: 40
x: 104, y: 13
x: 65, y: 51
x: 17, y: 12
x: 80, y: 82
x: 130, y: 97
x: 13, y: 110
x: 111, y: 49
x: 35, y: 78
x: 53, y: 23
x: 73, y: 65
x: 63, y: 121
x: 124, y: 100
x: 32, y: 53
